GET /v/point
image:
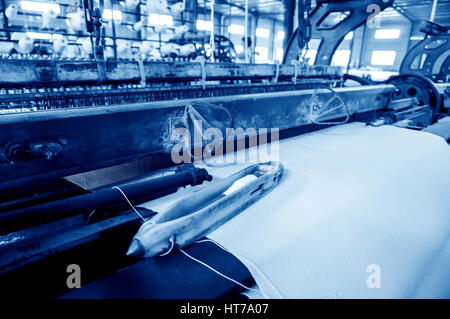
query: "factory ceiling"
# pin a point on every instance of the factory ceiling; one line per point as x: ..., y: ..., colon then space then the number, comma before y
x: 414, y: 10
x: 419, y: 10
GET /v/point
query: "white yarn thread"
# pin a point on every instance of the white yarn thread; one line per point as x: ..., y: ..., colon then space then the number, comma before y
x: 89, y: 217
x: 190, y: 113
x: 172, y: 244
x: 135, y: 210
x: 216, y: 271
x: 247, y: 261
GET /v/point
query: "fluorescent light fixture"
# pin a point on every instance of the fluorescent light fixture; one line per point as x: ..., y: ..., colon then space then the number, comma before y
x: 383, y: 57
x: 387, y: 34
x: 239, y: 48
x: 341, y: 58
x: 280, y: 35
x: 262, y: 32
x: 43, y: 36
x: 160, y: 19
x: 349, y: 36
x: 40, y: 6
x: 236, y: 29
x: 108, y: 14
x: 279, y: 54
x: 204, y: 25
x: 416, y: 38
x: 263, y: 53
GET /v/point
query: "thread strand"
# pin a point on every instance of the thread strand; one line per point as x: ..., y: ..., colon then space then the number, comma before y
x: 216, y: 271
x: 135, y: 210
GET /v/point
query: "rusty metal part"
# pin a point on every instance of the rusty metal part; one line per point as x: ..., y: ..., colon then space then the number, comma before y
x: 108, y: 135
x: 103, y: 199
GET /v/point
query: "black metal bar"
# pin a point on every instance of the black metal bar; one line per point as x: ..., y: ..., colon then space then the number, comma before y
x: 137, y: 191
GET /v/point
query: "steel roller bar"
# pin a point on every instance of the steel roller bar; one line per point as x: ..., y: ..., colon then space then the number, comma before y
x: 137, y: 191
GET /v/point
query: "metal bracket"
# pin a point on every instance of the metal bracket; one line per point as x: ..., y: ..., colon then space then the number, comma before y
x: 296, y: 64
x: 428, y: 57
x: 331, y: 37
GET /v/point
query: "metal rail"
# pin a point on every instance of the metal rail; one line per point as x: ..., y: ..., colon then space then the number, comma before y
x: 78, y: 140
x: 23, y: 73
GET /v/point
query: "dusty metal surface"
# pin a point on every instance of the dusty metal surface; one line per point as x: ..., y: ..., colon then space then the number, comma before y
x: 62, y: 142
x: 59, y: 73
x: 77, y: 97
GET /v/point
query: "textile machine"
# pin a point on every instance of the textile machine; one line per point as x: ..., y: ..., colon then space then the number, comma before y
x: 72, y: 129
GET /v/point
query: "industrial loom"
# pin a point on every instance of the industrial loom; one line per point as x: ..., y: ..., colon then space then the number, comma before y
x: 72, y: 130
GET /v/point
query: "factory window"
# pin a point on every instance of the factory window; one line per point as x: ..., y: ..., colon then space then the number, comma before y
x: 314, y: 44
x: 109, y: 14
x: 263, y: 54
x: 279, y: 54
x: 311, y: 55
x: 239, y: 48
x: 262, y: 32
x: 349, y: 36
x: 387, y: 34
x: 341, y: 58
x: 416, y: 38
x: 383, y: 57
x: 43, y: 36
x: 160, y: 19
x: 333, y: 19
x: 40, y: 6
x: 236, y: 29
x: 204, y: 25
x: 280, y: 35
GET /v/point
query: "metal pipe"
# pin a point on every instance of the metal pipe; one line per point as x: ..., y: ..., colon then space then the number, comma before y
x: 212, y: 41
x: 433, y: 10
x: 137, y: 191
x: 246, y: 32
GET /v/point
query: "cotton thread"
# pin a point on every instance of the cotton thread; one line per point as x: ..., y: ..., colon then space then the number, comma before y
x: 172, y: 244
x: 135, y: 210
x: 246, y: 260
x: 216, y: 271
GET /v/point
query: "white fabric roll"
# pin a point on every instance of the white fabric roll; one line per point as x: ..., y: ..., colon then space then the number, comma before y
x: 352, y: 196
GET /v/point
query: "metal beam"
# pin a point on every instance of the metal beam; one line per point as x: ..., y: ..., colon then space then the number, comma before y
x: 47, y: 72
x: 84, y: 139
